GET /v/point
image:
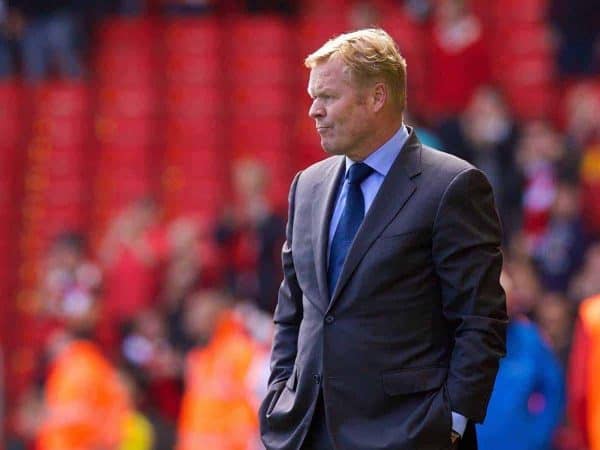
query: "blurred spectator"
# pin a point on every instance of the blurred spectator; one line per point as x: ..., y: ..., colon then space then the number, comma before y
x: 251, y: 236
x: 485, y: 134
x: 177, y: 7
x: 419, y: 10
x: 554, y: 316
x: 26, y: 418
x: 184, y: 265
x: 271, y: 6
x: 183, y: 275
x: 526, y: 289
x: 70, y: 282
x: 583, y: 134
x: 587, y: 282
x: 578, y: 25
x: 86, y: 405
x: 131, y: 7
x: 459, y: 60
x: 584, y: 390
x: 426, y: 135
x: 132, y: 254
x: 561, y: 247
x: 145, y: 285
x: 155, y: 364
x: 528, y: 398
x: 220, y: 400
x: 539, y: 154
x: 582, y: 114
x: 48, y: 30
x: 363, y: 14
x: 6, y: 64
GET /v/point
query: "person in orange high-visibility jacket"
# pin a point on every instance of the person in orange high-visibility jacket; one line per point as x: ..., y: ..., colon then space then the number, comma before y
x: 86, y: 404
x: 584, y: 375
x: 219, y: 405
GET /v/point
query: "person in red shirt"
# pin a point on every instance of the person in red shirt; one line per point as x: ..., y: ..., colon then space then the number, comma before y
x: 458, y: 63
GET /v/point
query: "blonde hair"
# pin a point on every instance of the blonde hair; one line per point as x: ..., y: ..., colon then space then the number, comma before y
x: 370, y: 54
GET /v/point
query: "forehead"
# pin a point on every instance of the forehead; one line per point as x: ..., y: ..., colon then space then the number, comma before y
x: 327, y: 75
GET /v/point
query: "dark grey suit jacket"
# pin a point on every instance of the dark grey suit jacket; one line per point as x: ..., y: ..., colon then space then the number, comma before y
x: 416, y: 325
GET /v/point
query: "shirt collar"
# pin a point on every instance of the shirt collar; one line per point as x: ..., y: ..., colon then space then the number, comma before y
x: 381, y: 160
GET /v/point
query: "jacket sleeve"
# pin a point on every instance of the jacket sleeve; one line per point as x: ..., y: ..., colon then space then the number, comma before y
x: 288, y: 313
x: 468, y: 261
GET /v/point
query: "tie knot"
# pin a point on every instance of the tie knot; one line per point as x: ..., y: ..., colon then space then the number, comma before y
x: 358, y: 172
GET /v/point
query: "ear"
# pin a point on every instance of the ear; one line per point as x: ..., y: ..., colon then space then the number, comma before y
x: 379, y: 96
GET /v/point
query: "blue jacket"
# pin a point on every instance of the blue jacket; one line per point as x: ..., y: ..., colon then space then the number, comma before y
x: 528, y: 398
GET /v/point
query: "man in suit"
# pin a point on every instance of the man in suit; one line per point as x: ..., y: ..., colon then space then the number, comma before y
x: 390, y: 319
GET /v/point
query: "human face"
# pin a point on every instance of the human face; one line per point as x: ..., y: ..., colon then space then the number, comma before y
x: 340, y: 110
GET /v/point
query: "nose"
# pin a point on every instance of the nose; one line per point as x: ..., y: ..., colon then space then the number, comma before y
x: 316, y: 109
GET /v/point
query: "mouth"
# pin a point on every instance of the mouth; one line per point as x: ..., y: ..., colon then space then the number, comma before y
x: 322, y: 129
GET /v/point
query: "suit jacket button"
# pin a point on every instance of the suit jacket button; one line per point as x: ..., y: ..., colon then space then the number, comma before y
x: 329, y: 319
x: 317, y: 378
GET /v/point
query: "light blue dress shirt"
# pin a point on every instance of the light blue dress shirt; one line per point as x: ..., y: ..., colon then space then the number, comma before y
x: 380, y: 161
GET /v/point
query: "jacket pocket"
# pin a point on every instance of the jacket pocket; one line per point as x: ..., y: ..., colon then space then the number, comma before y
x: 410, y: 381
x: 292, y: 381
x: 290, y: 384
x: 272, y: 398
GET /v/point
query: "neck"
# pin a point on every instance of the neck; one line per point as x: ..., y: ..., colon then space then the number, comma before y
x: 382, y: 134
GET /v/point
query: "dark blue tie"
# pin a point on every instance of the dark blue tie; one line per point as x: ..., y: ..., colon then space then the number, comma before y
x: 352, y: 216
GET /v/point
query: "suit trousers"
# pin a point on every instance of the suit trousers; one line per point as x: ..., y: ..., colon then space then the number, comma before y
x: 317, y: 437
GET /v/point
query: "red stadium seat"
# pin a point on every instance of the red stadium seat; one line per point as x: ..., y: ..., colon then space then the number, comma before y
x: 62, y: 165
x: 314, y: 31
x: 193, y: 36
x: 127, y: 66
x: 251, y: 135
x: 520, y: 10
x: 270, y: 35
x: 266, y: 101
x: 197, y: 158
x: 268, y: 70
x: 66, y: 133
x: 204, y: 131
x: 327, y: 7
x: 11, y: 124
x: 127, y: 32
x: 125, y: 132
x: 194, y: 101
x: 192, y: 68
x: 62, y: 99
x: 11, y: 128
x: 133, y: 101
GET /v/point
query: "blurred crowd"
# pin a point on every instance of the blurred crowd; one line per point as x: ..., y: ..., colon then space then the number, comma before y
x: 160, y: 307
x: 159, y: 338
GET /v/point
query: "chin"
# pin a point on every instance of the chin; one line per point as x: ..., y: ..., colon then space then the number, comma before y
x: 331, y: 150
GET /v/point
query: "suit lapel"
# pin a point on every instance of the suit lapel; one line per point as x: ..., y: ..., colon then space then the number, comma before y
x: 395, y: 191
x: 324, y: 197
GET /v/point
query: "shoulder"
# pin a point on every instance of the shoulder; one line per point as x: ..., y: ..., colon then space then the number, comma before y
x: 438, y: 162
x: 446, y: 176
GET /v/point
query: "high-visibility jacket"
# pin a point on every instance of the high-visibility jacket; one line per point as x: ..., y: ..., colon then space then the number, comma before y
x: 584, y: 373
x: 86, y: 404
x: 219, y: 405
